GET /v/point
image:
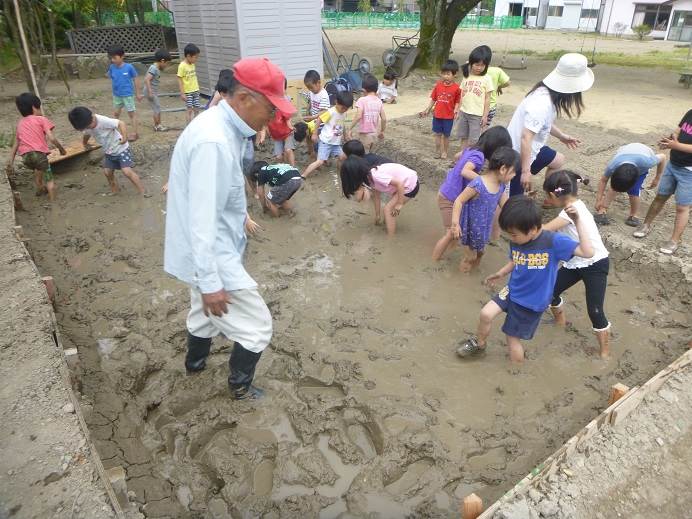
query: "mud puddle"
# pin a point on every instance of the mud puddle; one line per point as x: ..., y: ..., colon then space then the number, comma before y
x: 370, y: 411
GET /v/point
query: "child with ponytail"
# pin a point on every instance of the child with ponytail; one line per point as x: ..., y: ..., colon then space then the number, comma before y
x: 561, y: 190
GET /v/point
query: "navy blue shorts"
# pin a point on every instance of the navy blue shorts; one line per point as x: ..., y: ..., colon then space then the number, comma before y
x: 636, y: 189
x: 545, y: 156
x: 520, y: 322
x: 443, y: 126
x: 123, y: 160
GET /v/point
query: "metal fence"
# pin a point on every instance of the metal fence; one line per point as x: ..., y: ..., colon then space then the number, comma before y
x: 344, y: 20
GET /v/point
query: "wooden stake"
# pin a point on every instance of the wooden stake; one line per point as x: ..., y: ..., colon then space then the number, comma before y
x: 25, y: 46
x: 17, y: 201
x: 617, y: 391
x: 50, y: 287
x: 472, y: 507
x: 18, y: 232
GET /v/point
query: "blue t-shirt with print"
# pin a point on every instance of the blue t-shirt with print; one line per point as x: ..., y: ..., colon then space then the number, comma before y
x: 535, y: 268
x: 640, y: 155
x: 122, y: 78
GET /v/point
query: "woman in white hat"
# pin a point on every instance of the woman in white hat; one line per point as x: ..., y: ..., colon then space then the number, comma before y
x: 532, y: 123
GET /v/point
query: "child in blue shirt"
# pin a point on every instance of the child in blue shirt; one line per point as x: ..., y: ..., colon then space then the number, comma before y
x: 535, y: 257
x: 626, y: 173
x: 123, y: 75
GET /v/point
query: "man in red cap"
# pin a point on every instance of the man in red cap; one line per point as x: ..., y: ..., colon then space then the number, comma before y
x: 205, y: 222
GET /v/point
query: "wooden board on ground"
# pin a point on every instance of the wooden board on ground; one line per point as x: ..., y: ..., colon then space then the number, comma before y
x: 73, y: 149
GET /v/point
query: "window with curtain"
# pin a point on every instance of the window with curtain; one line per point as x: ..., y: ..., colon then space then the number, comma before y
x: 555, y: 10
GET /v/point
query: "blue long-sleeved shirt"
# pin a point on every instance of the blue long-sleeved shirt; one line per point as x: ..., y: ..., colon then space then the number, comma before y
x: 206, y: 210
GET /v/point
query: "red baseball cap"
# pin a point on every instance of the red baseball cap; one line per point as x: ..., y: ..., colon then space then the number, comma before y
x: 261, y: 75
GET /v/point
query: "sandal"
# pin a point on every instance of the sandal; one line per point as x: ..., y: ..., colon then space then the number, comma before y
x: 669, y: 248
x: 470, y: 347
x: 643, y: 231
x: 633, y: 221
x: 601, y: 219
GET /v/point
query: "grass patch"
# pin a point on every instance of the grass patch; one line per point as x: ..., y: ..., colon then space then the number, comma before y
x: 675, y: 60
x: 9, y: 59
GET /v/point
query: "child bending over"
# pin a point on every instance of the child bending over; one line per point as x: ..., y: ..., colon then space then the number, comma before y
x: 535, y: 258
x: 561, y: 190
x: 285, y: 181
x: 474, y: 208
x: 111, y: 135
x: 354, y: 147
x: 360, y: 181
x: 34, y: 131
x: 627, y: 173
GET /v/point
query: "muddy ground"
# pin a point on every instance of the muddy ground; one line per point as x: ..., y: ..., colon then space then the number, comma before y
x: 369, y: 412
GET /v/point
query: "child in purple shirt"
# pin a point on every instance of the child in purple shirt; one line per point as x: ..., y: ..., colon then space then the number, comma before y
x: 468, y: 167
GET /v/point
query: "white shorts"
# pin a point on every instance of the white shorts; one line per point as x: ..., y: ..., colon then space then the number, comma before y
x: 247, y: 321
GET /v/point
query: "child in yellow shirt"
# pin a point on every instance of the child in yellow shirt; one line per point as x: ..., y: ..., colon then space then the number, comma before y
x: 187, y: 81
x: 476, y: 88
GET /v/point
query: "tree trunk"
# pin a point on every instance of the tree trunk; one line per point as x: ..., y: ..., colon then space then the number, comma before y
x: 438, y: 23
x: 11, y: 18
x: 130, y: 11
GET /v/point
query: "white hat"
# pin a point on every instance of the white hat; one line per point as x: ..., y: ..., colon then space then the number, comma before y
x: 572, y: 74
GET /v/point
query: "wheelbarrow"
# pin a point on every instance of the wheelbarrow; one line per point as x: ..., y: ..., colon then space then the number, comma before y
x: 401, y: 57
x: 351, y: 70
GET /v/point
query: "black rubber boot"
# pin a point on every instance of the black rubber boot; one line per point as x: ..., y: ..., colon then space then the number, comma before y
x: 197, y: 353
x: 242, y: 365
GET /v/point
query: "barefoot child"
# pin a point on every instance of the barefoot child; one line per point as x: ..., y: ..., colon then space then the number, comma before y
x: 361, y: 181
x: 110, y: 134
x: 123, y: 76
x: 444, y: 98
x: 561, y: 190
x: 499, y: 80
x: 285, y: 181
x: 468, y: 166
x: 627, y: 172
x: 476, y: 88
x: 474, y: 208
x: 187, y: 81
x: 386, y: 90
x: 370, y: 116
x: 151, y: 86
x: 332, y: 133
x: 536, y: 255
x: 33, y: 129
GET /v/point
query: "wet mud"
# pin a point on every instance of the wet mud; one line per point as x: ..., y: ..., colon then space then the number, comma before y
x: 370, y: 413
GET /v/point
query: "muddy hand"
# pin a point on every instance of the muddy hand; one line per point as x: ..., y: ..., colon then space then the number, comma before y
x: 216, y: 303
x: 490, y: 280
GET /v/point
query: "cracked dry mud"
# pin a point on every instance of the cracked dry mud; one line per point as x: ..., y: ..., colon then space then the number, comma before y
x: 369, y: 412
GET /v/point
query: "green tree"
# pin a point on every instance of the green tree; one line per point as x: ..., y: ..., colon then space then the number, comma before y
x: 641, y: 31
x: 439, y: 20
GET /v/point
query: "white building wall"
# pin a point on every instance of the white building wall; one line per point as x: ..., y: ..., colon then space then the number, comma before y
x: 288, y: 32
x: 501, y: 8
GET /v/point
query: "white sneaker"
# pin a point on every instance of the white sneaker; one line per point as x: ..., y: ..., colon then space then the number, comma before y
x: 644, y: 230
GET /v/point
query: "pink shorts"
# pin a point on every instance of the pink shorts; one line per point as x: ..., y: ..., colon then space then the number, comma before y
x: 446, y: 208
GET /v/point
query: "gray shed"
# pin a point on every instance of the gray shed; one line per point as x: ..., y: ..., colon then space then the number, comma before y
x: 288, y: 32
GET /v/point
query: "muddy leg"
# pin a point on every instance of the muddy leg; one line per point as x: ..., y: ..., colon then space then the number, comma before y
x: 682, y: 215
x: 110, y: 176
x: 470, y: 258
x: 603, y: 338
x: 438, y: 144
x: 655, y: 208
x: 50, y: 186
x: 516, y: 350
x: 442, y: 245
x: 38, y: 180
x: 134, y: 178
x: 489, y: 312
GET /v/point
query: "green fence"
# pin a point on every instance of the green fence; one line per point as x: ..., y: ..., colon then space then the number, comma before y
x: 342, y: 20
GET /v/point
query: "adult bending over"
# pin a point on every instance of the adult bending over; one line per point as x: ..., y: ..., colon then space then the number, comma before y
x: 206, y: 212
x: 557, y: 95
